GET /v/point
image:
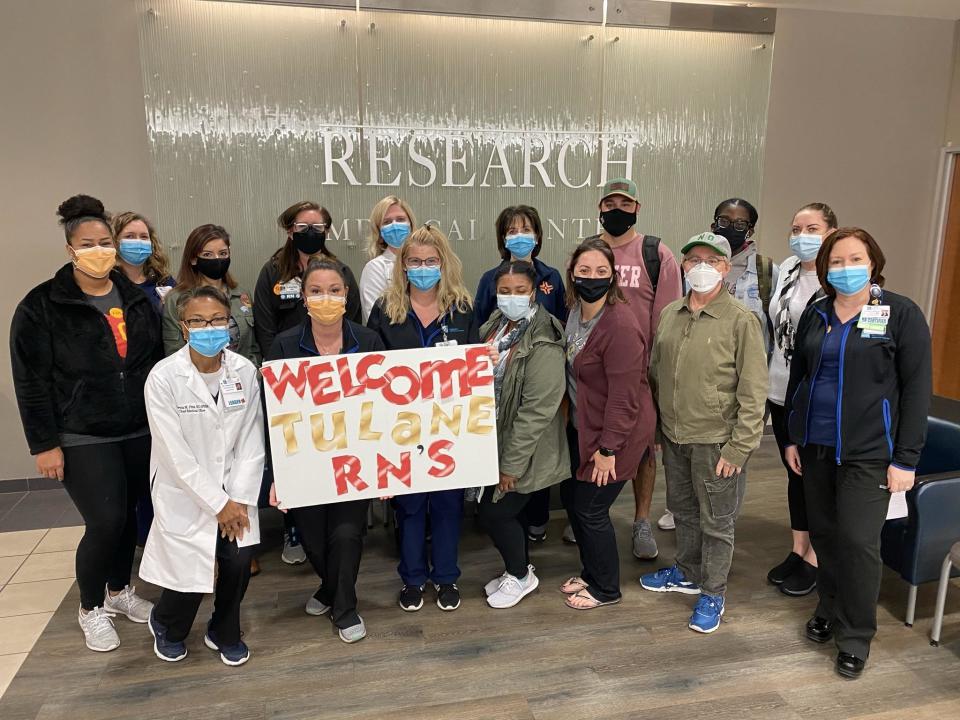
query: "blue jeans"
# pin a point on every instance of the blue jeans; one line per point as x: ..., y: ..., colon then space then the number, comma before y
x: 446, y: 514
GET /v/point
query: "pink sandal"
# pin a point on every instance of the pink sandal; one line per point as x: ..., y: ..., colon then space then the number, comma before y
x: 573, y: 586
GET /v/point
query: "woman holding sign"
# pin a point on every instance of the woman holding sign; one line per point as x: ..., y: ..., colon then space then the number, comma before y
x: 427, y: 305
x: 332, y: 535
x: 856, y: 408
x: 206, y: 463
x: 611, y: 417
x: 529, y: 387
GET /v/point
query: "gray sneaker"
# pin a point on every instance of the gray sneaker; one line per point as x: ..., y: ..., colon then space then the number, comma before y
x: 315, y: 607
x: 128, y: 603
x: 568, y: 536
x: 644, y: 546
x: 354, y: 633
x: 98, y: 630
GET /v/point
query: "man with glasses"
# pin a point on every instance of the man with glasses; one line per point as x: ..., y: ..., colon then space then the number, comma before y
x: 650, y: 280
x: 708, y: 373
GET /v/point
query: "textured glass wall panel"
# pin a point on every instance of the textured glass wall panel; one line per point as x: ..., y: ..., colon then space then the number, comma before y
x: 252, y: 107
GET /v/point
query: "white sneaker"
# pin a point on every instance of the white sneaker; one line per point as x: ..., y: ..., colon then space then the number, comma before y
x: 512, y: 590
x: 98, y: 630
x: 128, y: 603
x: 666, y: 521
x: 568, y: 536
x: 491, y: 587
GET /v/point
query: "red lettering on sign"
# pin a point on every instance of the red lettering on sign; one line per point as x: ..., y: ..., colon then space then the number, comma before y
x: 320, y: 382
x: 385, y: 467
x: 445, y: 464
x: 400, y: 371
x: 363, y: 370
x: 346, y: 381
x: 297, y: 382
x: 346, y: 469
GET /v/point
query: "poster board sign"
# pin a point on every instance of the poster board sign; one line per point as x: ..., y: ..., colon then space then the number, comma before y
x: 368, y: 425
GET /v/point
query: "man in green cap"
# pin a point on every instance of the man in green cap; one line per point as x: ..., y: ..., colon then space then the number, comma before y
x: 708, y: 373
x: 650, y: 280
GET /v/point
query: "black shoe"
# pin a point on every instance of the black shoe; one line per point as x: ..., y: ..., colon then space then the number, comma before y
x: 785, y: 569
x: 850, y: 666
x: 802, y: 582
x: 536, y: 537
x: 448, y: 596
x: 411, y: 597
x: 819, y: 629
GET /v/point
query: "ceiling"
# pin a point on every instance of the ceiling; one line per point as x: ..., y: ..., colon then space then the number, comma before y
x: 944, y: 9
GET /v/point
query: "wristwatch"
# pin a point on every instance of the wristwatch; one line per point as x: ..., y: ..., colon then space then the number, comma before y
x: 607, y: 452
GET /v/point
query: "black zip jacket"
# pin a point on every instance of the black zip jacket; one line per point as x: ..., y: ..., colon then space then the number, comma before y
x: 271, y: 315
x: 67, y: 374
x: 410, y: 334
x: 298, y: 341
x: 884, y: 384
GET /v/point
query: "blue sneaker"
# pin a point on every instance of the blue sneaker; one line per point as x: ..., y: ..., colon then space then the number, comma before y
x: 706, y: 615
x: 232, y: 655
x: 669, y: 579
x: 165, y: 649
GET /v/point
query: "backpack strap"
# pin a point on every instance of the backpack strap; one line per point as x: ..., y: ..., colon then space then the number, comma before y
x: 651, y: 259
x: 765, y: 281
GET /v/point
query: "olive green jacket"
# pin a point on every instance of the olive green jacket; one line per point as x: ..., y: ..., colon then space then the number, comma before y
x: 241, y: 308
x: 531, y: 430
x: 708, y: 372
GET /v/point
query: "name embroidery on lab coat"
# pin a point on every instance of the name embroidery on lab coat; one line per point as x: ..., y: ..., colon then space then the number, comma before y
x: 192, y: 409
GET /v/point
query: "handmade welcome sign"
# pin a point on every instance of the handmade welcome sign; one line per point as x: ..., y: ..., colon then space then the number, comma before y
x: 367, y: 425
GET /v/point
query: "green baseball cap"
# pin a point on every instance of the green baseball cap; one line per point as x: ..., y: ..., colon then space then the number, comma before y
x: 620, y: 186
x: 708, y: 239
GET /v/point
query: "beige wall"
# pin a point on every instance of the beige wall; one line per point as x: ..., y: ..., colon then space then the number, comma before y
x: 857, y: 115
x: 953, y: 118
x: 71, y: 120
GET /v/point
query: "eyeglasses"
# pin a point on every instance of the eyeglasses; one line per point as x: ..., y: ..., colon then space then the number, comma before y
x: 197, y: 323
x: 222, y: 255
x: 725, y: 222
x: 412, y: 263
x: 691, y: 263
x: 303, y: 227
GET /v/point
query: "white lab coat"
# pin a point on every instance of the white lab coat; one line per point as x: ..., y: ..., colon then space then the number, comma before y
x: 202, y: 455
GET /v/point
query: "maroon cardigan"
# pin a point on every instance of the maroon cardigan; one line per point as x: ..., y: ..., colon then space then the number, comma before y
x: 614, y: 404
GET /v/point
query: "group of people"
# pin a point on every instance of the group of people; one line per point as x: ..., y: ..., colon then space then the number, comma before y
x: 138, y: 390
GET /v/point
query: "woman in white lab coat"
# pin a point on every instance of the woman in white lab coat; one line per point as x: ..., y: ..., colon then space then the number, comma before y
x: 203, y: 404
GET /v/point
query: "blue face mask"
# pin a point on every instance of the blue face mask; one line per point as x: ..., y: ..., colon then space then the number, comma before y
x: 806, y: 247
x: 520, y: 246
x: 424, y: 278
x: 514, y: 307
x: 849, y: 280
x: 134, y: 251
x: 395, y: 233
x: 209, y: 341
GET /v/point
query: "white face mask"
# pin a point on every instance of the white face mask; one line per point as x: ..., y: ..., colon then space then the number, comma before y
x: 704, y: 278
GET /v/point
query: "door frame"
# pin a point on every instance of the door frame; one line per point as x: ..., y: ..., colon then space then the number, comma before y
x: 949, y: 157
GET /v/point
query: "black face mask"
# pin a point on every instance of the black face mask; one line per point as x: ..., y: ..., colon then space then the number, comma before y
x: 617, y: 221
x: 310, y: 241
x: 736, y: 238
x: 213, y: 268
x: 591, y: 289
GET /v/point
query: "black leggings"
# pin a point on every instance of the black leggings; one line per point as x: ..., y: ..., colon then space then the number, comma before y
x: 795, y: 500
x: 105, y: 481
x: 503, y: 521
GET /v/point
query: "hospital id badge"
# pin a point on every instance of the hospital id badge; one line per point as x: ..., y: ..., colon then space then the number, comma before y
x: 231, y: 390
x: 290, y: 290
x: 446, y: 343
x: 874, y: 319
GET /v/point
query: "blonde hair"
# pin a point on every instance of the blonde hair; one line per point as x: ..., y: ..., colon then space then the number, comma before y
x: 451, y: 293
x: 156, y: 268
x: 375, y: 244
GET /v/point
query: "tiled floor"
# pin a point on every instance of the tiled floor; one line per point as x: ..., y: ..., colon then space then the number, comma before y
x: 37, y: 509
x: 36, y: 571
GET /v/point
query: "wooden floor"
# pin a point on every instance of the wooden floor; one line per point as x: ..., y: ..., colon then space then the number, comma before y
x: 538, y: 660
